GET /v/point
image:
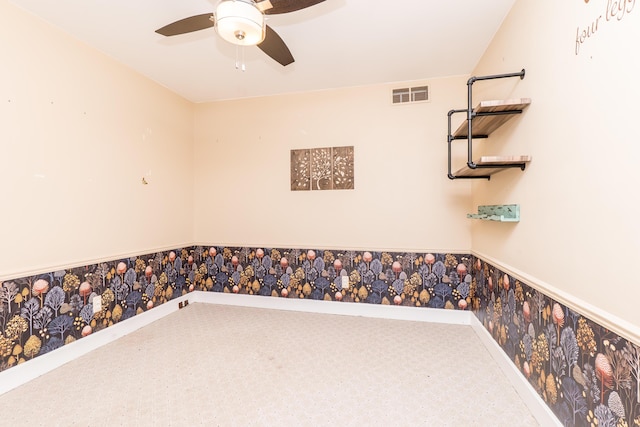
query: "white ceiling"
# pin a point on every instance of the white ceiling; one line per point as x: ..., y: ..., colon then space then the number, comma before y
x: 337, y: 43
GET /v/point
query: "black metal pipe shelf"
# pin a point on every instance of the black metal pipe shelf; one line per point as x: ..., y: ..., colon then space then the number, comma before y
x: 488, y: 115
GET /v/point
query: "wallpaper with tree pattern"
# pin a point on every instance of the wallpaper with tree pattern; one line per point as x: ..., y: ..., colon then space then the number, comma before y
x: 586, y: 374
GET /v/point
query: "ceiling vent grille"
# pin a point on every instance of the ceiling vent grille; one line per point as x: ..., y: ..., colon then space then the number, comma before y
x: 410, y: 95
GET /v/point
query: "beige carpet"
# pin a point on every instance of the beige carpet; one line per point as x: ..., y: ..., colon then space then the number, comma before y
x: 216, y: 365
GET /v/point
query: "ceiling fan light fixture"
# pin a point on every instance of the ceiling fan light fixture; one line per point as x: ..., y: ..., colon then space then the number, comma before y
x: 240, y: 22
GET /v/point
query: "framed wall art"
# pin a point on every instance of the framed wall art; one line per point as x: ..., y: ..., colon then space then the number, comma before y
x: 328, y: 168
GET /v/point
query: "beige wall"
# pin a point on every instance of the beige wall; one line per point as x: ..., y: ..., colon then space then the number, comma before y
x: 78, y: 133
x: 402, y: 197
x: 579, y: 234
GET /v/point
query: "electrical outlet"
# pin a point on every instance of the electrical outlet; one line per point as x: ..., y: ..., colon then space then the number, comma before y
x: 180, y: 305
x: 345, y: 282
x: 97, y: 304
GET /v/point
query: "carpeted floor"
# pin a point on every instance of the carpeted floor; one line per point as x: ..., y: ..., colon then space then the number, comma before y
x: 217, y: 365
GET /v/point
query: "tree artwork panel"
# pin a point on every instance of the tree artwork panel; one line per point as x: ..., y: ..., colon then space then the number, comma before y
x: 321, y: 168
x: 300, y: 170
x: 327, y: 168
x: 343, y: 173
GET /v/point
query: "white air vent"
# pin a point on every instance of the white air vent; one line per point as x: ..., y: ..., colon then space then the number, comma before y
x: 410, y: 94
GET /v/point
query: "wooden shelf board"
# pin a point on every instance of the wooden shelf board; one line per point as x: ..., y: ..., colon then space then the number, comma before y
x: 484, y: 125
x: 494, y: 165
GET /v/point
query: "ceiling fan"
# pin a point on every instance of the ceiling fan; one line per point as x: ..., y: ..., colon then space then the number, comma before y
x: 241, y: 22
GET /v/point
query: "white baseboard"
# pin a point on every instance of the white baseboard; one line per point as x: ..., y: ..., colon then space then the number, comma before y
x: 23, y: 373
x: 454, y: 317
x: 539, y: 409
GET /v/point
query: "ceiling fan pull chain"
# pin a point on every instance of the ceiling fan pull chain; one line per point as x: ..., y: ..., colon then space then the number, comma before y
x: 240, y: 58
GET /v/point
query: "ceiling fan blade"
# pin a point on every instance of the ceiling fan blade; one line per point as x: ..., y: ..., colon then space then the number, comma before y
x: 275, y: 47
x: 187, y: 25
x: 286, y: 6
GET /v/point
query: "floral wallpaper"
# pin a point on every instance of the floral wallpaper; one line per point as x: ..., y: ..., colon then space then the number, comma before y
x: 41, y: 313
x: 585, y: 373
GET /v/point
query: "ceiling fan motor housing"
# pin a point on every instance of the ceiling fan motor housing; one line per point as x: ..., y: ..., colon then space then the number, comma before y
x: 240, y: 22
